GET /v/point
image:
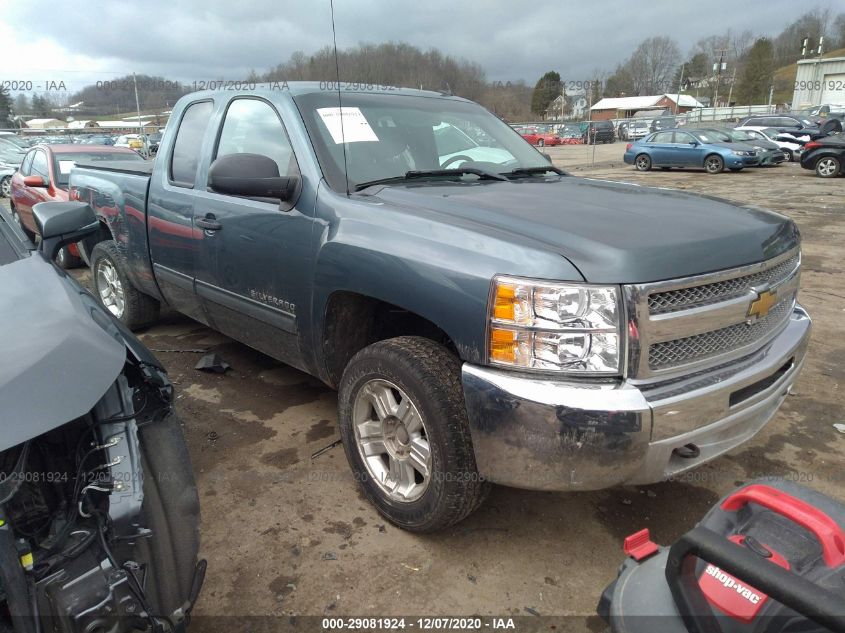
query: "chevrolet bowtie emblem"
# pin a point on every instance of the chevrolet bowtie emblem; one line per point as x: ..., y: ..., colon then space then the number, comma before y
x: 762, y: 304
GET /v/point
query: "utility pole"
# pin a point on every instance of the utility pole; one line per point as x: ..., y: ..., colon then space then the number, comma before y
x: 733, y: 81
x: 678, y: 95
x: 138, y: 106
x: 719, y: 67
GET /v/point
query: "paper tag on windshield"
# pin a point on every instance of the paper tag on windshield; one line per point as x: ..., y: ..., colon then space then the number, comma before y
x: 66, y: 165
x: 347, y: 125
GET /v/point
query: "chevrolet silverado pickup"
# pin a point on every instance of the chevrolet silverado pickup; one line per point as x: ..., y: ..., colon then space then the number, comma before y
x: 484, y: 316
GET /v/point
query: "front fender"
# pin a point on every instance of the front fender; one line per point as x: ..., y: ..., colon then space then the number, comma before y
x: 430, y: 267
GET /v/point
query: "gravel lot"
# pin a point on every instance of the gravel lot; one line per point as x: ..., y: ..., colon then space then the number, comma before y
x: 288, y: 534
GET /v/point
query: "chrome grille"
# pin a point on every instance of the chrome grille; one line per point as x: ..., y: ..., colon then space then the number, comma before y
x: 717, y: 342
x: 691, y: 324
x: 707, y: 294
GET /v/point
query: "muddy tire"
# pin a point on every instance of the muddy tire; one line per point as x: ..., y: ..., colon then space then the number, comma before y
x: 406, y: 435
x: 171, y: 511
x: 115, y: 292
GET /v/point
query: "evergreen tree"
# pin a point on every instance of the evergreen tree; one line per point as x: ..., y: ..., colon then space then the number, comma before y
x: 757, y: 73
x: 547, y: 89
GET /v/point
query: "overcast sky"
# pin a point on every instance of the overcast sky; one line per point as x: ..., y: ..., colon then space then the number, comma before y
x: 82, y: 41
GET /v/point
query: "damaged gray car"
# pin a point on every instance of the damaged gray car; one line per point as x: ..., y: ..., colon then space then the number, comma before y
x: 99, y: 512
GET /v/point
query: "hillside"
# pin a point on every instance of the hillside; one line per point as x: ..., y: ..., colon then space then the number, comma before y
x: 785, y: 78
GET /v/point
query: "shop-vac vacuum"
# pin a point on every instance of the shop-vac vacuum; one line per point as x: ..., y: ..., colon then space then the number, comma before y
x: 768, y: 558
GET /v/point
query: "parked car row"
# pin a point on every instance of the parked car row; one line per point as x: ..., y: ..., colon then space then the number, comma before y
x: 145, y: 144
x: 43, y: 175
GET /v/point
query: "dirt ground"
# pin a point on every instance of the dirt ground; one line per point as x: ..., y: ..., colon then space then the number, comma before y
x: 285, y: 533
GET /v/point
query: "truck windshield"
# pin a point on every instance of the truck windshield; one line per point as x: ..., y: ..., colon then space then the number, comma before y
x: 388, y: 135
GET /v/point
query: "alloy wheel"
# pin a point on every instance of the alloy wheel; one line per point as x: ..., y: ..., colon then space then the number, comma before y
x: 110, y: 288
x: 6, y: 187
x: 714, y: 165
x: 391, y: 438
x: 827, y: 167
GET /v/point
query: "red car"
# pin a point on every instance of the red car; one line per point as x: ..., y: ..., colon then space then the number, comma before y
x: 43, y: 177
x: 541, y: 139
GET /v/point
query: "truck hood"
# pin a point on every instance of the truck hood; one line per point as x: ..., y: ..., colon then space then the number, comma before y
x: 612, y: 232
x: 60, y: 350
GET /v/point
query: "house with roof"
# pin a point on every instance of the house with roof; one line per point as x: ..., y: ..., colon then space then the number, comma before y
x: 626, y: 107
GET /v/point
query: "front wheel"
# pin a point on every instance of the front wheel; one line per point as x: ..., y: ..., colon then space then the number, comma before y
x: 6, y: 187
x: 643, y: 162
x: 114, y: 290
x: 789, y: 155
x: 540, y: 143
x: 406, y: 435
x: 828, y: 167
x: 714, y: 164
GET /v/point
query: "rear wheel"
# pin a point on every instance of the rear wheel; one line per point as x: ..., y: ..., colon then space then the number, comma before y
x: 65, y: 260
x: 789, y: 155
x: 643, y: 162
x: 828, y: 167
x: 114, y: 290
x: 714, y: 164
x: 6, y: 187
x: 540, y: 142
x: 406, y: 435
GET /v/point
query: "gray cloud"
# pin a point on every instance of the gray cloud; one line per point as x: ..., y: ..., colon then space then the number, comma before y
x: 206, y: 39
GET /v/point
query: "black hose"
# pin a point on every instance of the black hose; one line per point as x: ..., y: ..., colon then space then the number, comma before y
x: 14, y: 581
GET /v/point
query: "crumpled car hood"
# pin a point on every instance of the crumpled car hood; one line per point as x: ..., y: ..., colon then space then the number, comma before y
x: 59, y: 350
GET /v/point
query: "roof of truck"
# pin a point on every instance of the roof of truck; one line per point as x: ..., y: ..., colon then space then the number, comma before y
x: 297, y: 88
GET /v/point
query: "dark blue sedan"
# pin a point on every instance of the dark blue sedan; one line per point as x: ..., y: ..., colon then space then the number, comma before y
x: 682, y: 148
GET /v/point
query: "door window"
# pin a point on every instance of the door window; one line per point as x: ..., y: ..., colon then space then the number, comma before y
x: 188, y: 145
x: 26, y: 166
x: 39, y: 165
x: 253, y: 127
x: 683, y: 138
x: 662, y: 137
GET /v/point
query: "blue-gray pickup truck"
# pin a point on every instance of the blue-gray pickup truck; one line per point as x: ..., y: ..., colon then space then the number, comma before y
x: 484, y: 316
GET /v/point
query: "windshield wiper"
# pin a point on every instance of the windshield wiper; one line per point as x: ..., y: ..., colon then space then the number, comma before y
x: 433, y: 173
x: 534, y: 171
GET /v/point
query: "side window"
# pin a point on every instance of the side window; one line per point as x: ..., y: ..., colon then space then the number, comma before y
x: 682, y: 138
x: 788, y: 122
x: 253, y: 127
x: 186, y: 149
x: 26, y: 166
x: 39, y: 165
x: 662, y: 137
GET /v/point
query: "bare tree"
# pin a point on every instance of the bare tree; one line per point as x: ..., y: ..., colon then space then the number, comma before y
x: 652, y: 65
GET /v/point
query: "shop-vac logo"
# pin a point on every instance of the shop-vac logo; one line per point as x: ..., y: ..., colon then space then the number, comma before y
x: 729, y: 582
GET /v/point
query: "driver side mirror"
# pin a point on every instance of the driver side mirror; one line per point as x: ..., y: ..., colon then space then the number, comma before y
x: 693, y: 143
x: 62, y: 223
x: 35, y: 181
x: 250, y: 176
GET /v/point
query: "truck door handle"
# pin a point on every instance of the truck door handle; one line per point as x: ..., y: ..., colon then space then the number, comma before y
x: 208, y: 223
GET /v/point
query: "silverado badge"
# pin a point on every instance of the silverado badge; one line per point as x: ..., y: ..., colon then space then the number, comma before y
x: 762, y: 304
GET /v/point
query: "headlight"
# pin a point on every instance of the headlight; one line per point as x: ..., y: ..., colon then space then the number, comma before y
x: 741, y: 152
x: 548, y: 326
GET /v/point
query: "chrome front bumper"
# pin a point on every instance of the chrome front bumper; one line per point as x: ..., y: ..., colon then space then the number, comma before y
x: 533, y: 432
